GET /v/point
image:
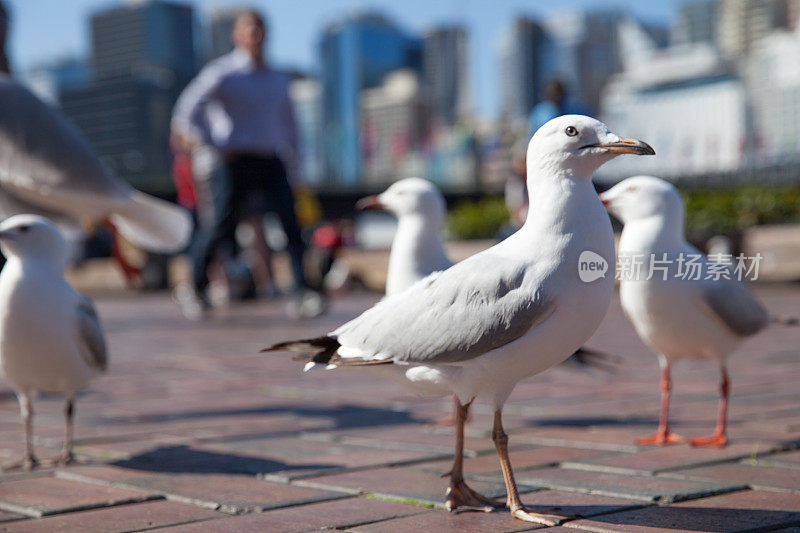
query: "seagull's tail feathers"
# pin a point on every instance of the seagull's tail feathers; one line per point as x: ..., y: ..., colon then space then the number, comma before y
x: 585, y: 358
x: 153, y: 224
x: 317, y: 351
x: 785, y: 320
x: 320, y: 351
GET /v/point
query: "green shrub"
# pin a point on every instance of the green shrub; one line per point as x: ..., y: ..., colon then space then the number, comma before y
x: 480, y: 219
x: 710, y: 212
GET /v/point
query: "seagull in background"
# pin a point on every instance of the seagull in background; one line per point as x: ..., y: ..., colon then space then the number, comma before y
x: 48, y: 168
x: 508, y: 312
x: 680, y: 312
x: 50, y: 337
x: 417, y: 248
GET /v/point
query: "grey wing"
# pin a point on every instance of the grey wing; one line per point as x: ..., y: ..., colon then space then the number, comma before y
x: 734, y: 304
x: 91, y: 340
x: 41, y: 149
x: 476, y: 306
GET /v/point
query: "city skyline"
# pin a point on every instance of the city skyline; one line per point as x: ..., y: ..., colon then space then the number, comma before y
x: 64, y: 31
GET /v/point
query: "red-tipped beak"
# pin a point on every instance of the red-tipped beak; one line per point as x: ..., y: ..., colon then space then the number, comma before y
x: 605, y: 202
x: 369, y: 203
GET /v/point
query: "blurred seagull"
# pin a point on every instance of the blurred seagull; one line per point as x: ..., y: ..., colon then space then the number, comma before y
x: 681, y: 311
x: 50, y: 337
x: 511, y: 311
x: 417, y: 248
x: 47, y: 167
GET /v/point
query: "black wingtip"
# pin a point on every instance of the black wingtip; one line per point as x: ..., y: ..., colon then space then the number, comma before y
x: 588, y: 358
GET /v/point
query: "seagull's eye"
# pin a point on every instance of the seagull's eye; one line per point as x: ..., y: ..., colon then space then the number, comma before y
x: 24, y: 229
x: 632, y: 188
x: 571, y: 131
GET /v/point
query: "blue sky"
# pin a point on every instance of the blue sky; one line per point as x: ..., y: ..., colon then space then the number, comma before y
x: 46, y: 29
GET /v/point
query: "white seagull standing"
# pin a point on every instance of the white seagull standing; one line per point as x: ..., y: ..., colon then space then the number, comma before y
x: 47, y: 167
x: 684, y: 310
x: 417, y: 248
x: 50, y: 337
x: 511, y: 311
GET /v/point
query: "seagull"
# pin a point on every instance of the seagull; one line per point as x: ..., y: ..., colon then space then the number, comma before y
x: 48, y: 168
x: 682, y: 311
x: 511, y: 311
x: 418, y: 249
x: 50, y: 337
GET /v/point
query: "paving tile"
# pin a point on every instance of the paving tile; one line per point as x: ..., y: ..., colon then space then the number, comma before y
x: 291, y: 458
x: 232, y: 493
x: 757, y: 477
x: 400, y: 483
x: 408, y: 437
x: 118, y: 518
x: 739, y: 511
x: 41, y: 496
x: 575, y: 504
x: 780, y: 460
x: 521, y: 459
x: 337, y: 514
x: 469, y: 522
x: 642, y: 488
x: 664, y: 458
x: 615, y: 439
x: 8, y: 517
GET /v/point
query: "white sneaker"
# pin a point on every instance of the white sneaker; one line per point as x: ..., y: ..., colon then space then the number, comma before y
x: 193, y: 306
x: 308, y: 304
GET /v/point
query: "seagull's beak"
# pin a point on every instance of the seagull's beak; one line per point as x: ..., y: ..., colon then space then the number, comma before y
x: 370, y: 203
x: 604, y: 200
x: 625, y: 146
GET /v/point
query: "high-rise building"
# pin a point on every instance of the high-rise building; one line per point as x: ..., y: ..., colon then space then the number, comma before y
x: 126, y: 120
x: 744, y: 22
x: 142, y: 57
x: 153, y: 38
x: 696, y: 22
x: 773, y: 80
x: 49, y: 80
x: 686, y: 102
x: 527, y: 63
x: 394, y: 127
x: 306, y: 95
x: 445, y: 73
x: 220, y: 29
x: 355, y: 54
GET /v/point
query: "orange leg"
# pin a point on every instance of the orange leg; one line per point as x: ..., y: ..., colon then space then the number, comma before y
x: 718, y: 439
x: 663, y: 435
x: 130, y: 272
x: 452, y: 419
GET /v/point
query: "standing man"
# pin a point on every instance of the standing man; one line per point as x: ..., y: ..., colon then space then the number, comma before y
x: 241, y: 108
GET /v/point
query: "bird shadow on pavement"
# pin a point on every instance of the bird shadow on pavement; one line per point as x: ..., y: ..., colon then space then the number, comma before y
x: 183, y: 459
x: 342, y: 416
x: 594, y: 421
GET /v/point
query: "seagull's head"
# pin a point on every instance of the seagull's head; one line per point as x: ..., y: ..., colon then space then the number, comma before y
x: 644, y: 197
x: 576, y: 146
x: 32, y: 236
x: 409, y: 197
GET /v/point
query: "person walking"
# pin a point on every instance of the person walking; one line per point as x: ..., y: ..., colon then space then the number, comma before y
x: 240, y: 106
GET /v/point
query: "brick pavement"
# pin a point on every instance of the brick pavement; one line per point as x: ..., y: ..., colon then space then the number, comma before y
x: 193, y: 430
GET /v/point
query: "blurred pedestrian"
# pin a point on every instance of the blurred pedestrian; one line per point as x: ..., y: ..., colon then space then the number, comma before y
x: 4, y: 65
x: 241, y: 107
x: 556, y: 103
